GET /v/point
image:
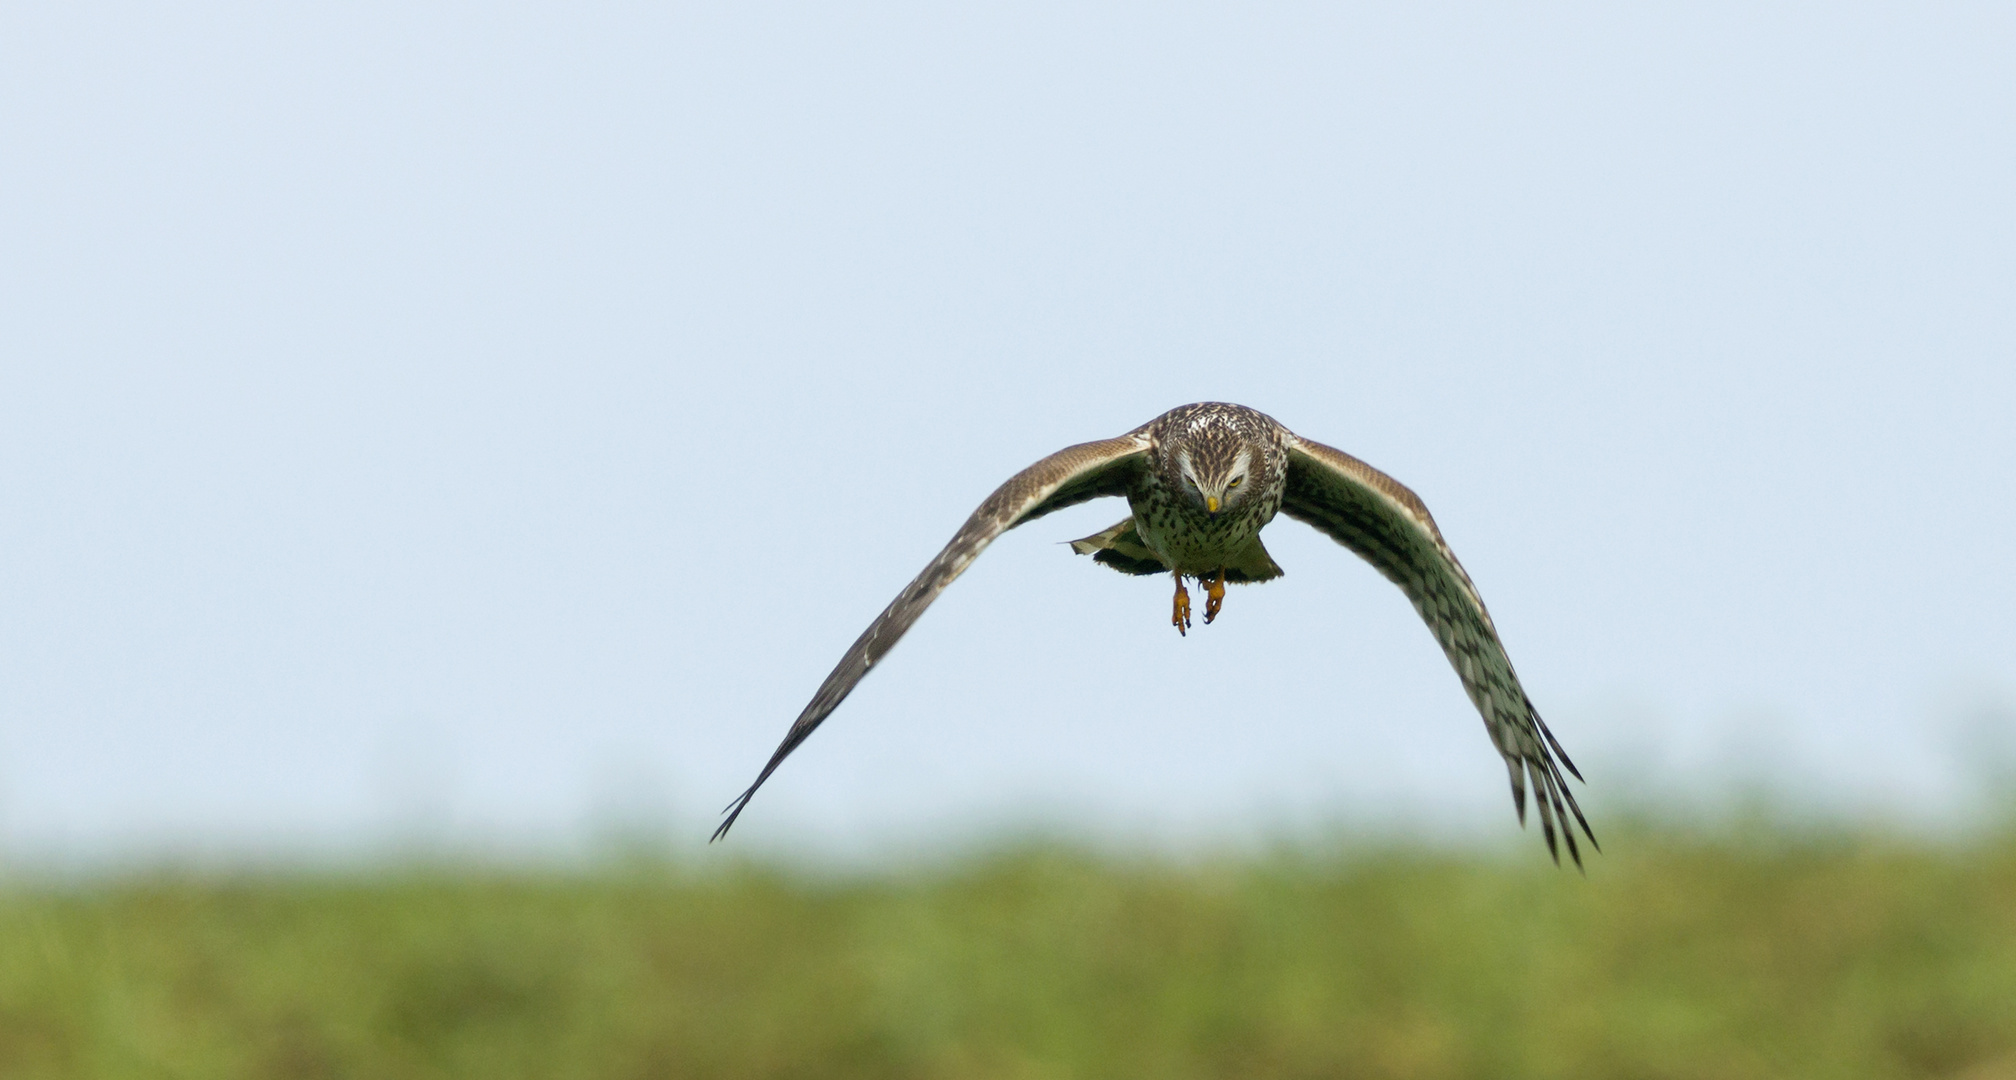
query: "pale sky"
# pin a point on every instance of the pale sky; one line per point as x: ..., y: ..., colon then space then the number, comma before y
x: 492, y: 420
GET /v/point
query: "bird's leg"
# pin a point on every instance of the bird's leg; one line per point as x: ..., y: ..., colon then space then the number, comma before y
x: 1181, y: 618
x: 1214, y: 595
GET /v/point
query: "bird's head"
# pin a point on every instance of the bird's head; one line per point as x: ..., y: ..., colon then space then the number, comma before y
x: 1217, y: 473
x: 1218, y: 455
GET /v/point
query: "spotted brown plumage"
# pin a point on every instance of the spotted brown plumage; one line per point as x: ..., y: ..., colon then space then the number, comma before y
x: 1201, y: 482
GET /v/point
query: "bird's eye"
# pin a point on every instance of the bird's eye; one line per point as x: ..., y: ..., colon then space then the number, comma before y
x: 1235, y: 483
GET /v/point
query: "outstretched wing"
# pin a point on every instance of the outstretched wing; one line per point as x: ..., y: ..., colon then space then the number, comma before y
x: 1068, y: 477
x: 1377, y: 517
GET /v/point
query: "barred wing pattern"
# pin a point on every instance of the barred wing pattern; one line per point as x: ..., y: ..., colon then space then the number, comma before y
x: 1068, y: 477
x: 1376, y: 516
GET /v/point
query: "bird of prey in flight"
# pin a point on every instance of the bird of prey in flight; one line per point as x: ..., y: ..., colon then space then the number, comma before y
x: 1202, y: 480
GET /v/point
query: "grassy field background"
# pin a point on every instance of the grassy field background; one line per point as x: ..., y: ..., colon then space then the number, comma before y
x: 1681, y: 954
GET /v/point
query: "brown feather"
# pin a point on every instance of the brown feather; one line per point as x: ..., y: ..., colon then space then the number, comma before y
x: 1068, y: 477
x: 1388, y: 526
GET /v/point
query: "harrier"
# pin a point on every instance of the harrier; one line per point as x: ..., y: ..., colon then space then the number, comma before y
x: 1202, y: 481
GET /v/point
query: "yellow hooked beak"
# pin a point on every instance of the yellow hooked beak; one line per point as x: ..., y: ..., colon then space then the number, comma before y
x: 1210, y: 504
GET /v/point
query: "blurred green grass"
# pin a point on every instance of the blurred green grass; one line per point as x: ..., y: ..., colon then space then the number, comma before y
x: 1680, y: 955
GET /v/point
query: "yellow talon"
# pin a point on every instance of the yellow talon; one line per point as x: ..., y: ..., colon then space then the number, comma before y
x: 1214, y: 593
x: 1181, y: 618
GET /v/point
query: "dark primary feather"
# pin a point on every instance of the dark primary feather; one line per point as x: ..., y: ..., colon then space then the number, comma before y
x: 1068, y: 477
x: 1128, y: 565
x: 1387, y: 525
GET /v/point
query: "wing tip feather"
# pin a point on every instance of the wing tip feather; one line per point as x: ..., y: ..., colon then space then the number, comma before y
x: 1553, y: 800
